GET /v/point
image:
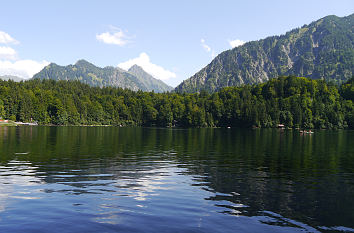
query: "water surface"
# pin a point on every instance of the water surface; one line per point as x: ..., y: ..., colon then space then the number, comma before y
x: 107, y: 179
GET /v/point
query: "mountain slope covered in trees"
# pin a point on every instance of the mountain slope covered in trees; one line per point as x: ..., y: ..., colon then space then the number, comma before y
x: 92, y: 75
x: 294, y: 102
x: 323, y: 49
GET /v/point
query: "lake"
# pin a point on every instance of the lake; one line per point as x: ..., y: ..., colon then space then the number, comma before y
x: 111, y: 179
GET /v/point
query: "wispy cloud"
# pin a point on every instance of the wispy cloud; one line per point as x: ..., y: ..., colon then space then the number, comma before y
x: 236, y: 43
x: 207, y: 48
x: 5, y: 38
x: 115, y: 36
x: 144, y: 61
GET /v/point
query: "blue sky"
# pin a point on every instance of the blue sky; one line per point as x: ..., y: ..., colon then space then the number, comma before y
x: 172, y: 40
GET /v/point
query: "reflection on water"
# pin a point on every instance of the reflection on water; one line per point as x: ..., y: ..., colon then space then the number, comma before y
x: 99, y: 179
x: 23, y: 175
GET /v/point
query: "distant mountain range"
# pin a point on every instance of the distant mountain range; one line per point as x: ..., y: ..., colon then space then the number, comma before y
x: 323, y: 49
x: 135, y: 78
x: 14, y: 78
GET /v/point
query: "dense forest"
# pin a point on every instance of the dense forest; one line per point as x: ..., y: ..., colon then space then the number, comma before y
x: 292, y: 101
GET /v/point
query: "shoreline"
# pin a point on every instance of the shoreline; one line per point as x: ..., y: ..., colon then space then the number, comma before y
x: 142, y: 126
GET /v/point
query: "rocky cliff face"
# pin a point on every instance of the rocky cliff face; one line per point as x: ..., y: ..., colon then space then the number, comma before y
x: 323, y: 49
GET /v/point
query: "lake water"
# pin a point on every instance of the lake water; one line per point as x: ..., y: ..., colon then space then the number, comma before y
x: 107, y: 179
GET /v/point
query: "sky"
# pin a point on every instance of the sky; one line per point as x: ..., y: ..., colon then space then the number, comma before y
x: 172, y: 40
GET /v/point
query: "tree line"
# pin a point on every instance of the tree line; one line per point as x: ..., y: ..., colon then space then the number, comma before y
x: 296, y: 102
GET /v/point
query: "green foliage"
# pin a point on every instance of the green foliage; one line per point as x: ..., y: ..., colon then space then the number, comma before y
x: 292, y: 101
x: 323, y: 49
x: 347, y: 90
x: 2, y: 110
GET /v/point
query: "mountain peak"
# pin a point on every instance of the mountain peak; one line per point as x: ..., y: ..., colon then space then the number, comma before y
x: 138, y: 71
x: 324, y: 49
x: 135, y: 67
x: 146, y: 78
x: 135, y: 79
x: 83, y: 62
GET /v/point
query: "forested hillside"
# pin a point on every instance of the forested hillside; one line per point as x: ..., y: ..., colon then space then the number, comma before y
x: 323, y: 49
x: 293, y: 101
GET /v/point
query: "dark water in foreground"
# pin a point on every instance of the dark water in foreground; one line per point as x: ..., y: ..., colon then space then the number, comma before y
x: 105, y: 179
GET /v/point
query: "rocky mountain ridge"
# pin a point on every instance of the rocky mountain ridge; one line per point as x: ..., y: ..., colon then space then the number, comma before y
x: 135, y: 79
x: 323, y: 49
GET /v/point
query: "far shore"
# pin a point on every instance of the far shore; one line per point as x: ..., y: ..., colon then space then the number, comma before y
x: 13, y: 123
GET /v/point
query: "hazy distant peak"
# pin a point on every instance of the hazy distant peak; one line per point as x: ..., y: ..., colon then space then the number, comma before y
x: 139, y: 71
x: 12, y: 77
x: 146, y: 78
x: 135, y: 67
x: 83, y: 62
x: 52, y: 64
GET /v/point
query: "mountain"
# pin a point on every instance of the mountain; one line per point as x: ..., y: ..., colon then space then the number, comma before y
x: 323, y: 49
x: 14, y: 78
x: 149, y: 81
x: 92, y: 75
